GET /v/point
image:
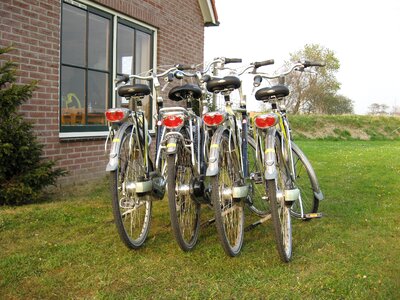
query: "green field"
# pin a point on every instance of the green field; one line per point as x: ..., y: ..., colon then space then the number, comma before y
x: 69, y: 248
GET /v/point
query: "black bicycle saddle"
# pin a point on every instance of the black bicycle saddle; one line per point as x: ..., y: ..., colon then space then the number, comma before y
x: 183, y: 92
x: 136, y: 90
x: 216, y: 85
x: 276, y: 91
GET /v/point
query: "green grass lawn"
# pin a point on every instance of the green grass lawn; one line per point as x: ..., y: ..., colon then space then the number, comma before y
x: 69, y: 248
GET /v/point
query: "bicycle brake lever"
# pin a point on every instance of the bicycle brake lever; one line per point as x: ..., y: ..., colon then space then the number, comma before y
x: 164, y: 87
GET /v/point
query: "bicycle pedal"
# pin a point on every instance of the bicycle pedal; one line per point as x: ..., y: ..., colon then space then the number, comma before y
x: 251, y: 227
x: 313, y: 216
x: 158, y: 187
x: 257, y: 223
x: 207, y: 223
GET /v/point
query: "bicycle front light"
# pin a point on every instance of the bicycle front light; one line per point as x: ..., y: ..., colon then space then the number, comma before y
x: 173, y: 121
x: 117, y: 114
x: 213, y: 118
x: 265, y: 120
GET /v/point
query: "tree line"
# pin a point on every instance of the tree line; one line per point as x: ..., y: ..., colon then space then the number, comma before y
x: 316, y: 90
x: 383, y: 109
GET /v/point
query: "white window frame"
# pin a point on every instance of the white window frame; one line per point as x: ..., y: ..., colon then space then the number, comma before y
x: 116, y: 15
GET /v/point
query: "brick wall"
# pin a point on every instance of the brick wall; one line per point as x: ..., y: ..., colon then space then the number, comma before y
x: 33, y: 27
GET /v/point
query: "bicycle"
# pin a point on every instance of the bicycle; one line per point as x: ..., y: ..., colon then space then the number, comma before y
x: 183, y: 146
x: 284, y: 163
x: 178, y: 157
x: 232, y: 169
x: 133, y: 180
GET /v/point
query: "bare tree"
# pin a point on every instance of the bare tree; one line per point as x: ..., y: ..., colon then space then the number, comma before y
x: 311, y: 90
x: 396, y: 110
x: 378, y: 109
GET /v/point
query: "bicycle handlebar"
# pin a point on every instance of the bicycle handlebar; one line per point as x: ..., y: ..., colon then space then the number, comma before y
x: 232, y: 60
x: 125, y: 78
x: 222, y: 61
x: 183, y: 67
x: 309, y: 63
x: 300, y: 66
x: 258, y: 64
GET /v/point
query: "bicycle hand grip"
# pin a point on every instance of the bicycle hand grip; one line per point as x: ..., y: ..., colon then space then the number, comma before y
x: 182, y: 67
x: 206, y: 78
x: 179, y: 75
x: 170, y: 77
x: 124, y: 78
x: 309, y: 63
x: 258, y: 64
x: 232, y: 60
x: 257, y: 81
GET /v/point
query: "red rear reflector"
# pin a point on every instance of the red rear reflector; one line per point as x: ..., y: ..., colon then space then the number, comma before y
x: 213, y: 118
x: 116, y: 115
x: 173, y: 121
x: 265, y: 121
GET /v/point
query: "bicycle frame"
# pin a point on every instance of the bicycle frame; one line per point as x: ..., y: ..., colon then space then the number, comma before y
x: 170, y: 137
x: 265, y: 148
x: 139, y: 125
x: 230, y: 126
x: 282, y: 128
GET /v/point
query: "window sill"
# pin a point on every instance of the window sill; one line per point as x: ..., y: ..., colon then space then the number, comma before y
x: 79, y: 136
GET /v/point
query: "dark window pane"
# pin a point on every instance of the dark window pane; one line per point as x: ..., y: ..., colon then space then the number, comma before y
x: 72, y: 96
x: 142, y: 63
x: 97, y: 97
x: 73, y: 35
x: 125, y: 50
x: 142, y: 52
x: 99, y: 42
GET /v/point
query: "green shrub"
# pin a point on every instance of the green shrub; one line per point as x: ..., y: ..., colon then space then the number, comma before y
x: 23, y: 172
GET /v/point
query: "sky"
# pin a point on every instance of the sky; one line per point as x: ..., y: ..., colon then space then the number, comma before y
x: 365, y: 36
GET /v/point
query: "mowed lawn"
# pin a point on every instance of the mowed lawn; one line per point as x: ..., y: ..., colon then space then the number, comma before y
x: 69, y: 248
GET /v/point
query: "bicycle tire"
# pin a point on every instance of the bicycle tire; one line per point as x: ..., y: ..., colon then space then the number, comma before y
x: 184, y: 210
x: 132, y: 213
x: 229, y: 212
x: 257, y: 195
x: 280, y: 211
x: 305, y: 182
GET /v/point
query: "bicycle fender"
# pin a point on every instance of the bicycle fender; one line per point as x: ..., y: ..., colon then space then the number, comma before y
x: 314, y: 181
x: 270, y: 158
x: 171, y: 145
x: 116, y: 144
x: 213, y: 168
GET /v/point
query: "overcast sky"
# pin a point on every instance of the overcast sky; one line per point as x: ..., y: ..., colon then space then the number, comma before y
x: 365, y: 36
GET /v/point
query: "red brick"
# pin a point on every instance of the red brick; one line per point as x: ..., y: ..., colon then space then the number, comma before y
x: 34, y: 28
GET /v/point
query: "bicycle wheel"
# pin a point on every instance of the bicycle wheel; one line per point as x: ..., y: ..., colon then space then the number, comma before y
x: 257, y: 195
x: 280, y: 212
x: 304, y: 182
x: 184, y: 210
x: 229, y: 212
x: 132, y: 211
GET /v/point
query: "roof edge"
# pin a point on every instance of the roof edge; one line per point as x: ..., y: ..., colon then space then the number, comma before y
x: 209, y: 11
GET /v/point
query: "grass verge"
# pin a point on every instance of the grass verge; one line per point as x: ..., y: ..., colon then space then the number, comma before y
x: 69, y: 248
x: 346, y: 127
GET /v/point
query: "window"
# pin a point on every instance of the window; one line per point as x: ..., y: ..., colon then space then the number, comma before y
x: 133, y: 56
x: 97, y: 45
